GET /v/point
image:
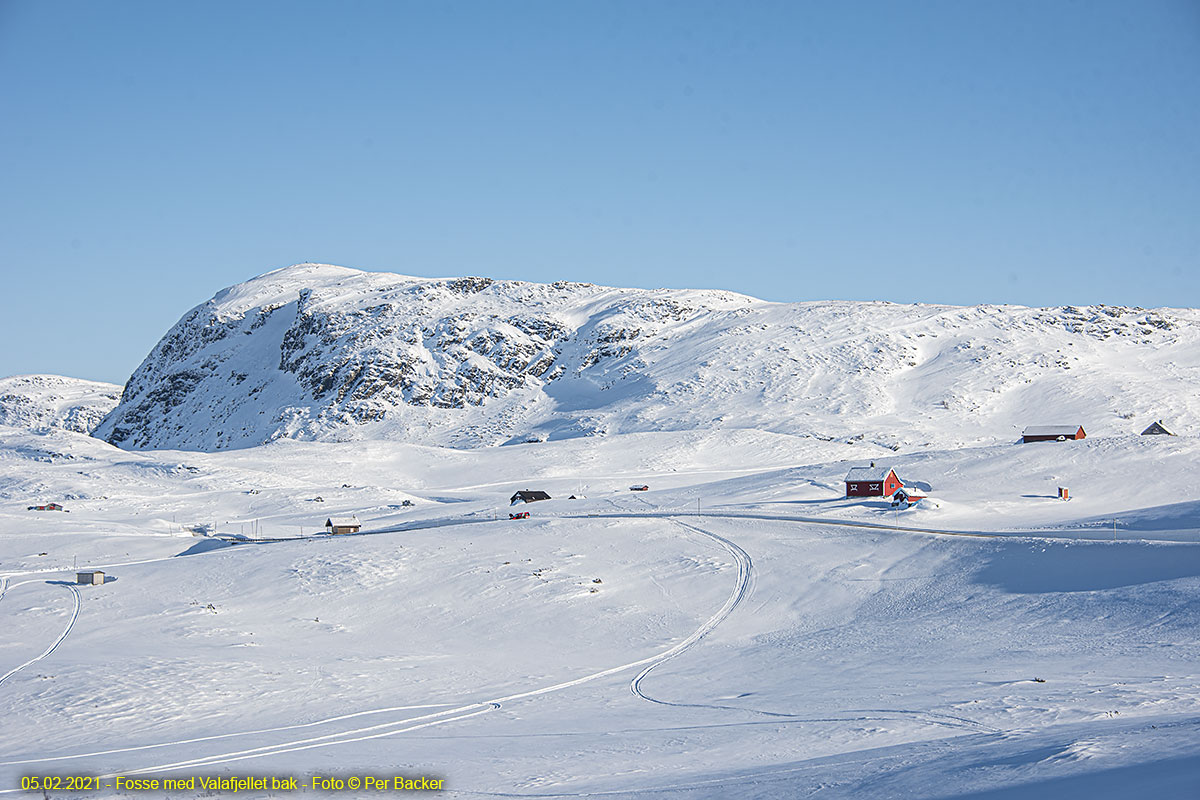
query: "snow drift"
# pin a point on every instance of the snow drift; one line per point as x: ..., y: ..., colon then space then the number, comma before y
x: 43, y: 402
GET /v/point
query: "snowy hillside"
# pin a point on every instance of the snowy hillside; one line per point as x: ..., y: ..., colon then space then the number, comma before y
x: 52, y: 401
x: 739, y: 630
x: 318, y: 352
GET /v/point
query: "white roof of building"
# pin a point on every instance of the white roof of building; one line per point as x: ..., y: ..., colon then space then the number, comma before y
x: 1051, y: 430
x: 342, y: 522
x: 868, y: 473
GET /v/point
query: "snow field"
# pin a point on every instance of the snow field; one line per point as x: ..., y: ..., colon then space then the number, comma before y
x: 807, y: 659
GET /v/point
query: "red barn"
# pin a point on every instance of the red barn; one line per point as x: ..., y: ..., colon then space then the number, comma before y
x: 1052, y: 433
x: 872, y: 481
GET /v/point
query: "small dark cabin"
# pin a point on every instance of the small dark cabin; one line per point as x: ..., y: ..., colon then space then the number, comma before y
x: 527, y: 496
x: 1052, y: 433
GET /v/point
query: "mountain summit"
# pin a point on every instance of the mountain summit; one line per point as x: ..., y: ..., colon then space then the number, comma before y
x: 328, y: 353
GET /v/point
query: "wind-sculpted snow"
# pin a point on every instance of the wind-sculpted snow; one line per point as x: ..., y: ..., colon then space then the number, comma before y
x: 318, y: 352
x: 42, y: 402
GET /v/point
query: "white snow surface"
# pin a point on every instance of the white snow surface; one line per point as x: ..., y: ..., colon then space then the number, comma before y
x: 317, y: 352
x: 739, y: 630
x: 54, y: 401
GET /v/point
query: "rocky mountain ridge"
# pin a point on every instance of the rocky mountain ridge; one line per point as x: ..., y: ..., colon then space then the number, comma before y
x: 329, y: 353
x: 42, y: 402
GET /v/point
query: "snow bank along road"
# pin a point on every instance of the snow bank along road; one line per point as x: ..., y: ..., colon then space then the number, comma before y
x: 406, y: 724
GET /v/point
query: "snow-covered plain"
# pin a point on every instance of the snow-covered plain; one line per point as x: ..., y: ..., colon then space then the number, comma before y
x: 739, y: 630
x: 737, y: 651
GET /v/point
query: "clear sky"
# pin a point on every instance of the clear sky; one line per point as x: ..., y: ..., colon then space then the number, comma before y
x: 1037, y: 153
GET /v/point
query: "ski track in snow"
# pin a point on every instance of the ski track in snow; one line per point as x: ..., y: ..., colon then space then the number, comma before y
x: 396, y: 727
x: 215, y: 737
x: 740, y: 591
x: 744, y: 581
x: 745, y: 584
x: 745, y: 566
x: 54, y: 646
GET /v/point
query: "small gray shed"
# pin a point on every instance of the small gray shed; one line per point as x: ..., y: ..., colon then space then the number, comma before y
x: 90, y: 578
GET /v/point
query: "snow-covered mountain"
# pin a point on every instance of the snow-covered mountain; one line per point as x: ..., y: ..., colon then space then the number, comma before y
x: 741, y: 628
x: 319, y: 352
x: 39, y: 402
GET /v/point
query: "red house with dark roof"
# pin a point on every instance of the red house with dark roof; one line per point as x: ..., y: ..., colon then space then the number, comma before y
x: 872, y: 481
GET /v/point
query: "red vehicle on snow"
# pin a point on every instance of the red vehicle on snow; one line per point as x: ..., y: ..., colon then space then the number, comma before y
x: 519, y: 515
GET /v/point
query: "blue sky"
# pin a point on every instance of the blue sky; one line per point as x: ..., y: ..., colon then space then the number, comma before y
x: 1035, y: 153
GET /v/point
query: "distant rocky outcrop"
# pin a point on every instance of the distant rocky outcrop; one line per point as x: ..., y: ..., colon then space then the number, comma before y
x: 41, y: 402
x: 329, y: 353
